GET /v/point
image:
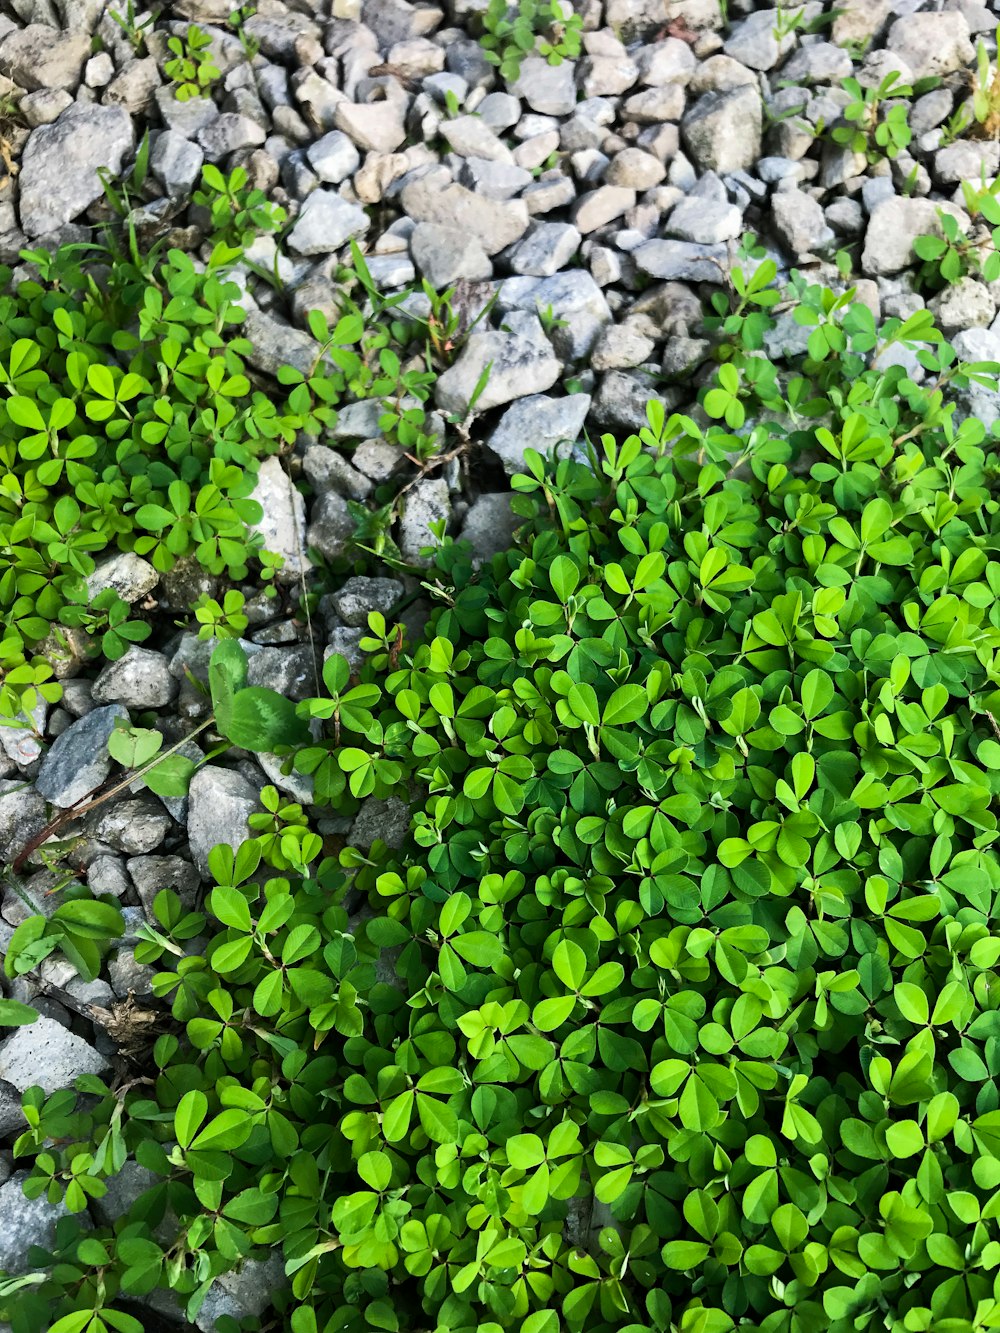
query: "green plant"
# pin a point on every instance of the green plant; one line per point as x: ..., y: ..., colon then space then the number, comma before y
x: 985, y: 81
x: 677, y: 1010
x: 544, y: 27
x: 192, y: 67
x: 873, y: 128
x: 952, y: 256
x: 134, y: 25
x: 223, y: 620
x: 237, y: 213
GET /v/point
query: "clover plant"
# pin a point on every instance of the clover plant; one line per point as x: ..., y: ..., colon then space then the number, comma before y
x: 678, y: 1009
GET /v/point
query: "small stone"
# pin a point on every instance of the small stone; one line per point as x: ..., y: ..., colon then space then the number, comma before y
x: 722, y: 131
x: 376, y: 459
x: 47, y: 1054
x: 575, y: 300
x: 375, y: 126
x: 152, y: 874
x: 635, y: 170
x: 361, y: 595
x: 522, y: 362
x: 818, y: 63
x: 654, y: 106
x: 333, y: 157
x: 45, y: 106
x: 124, y: 1188
x: 669, y: 61
x: 136, y: 826
x: 176, y: 162
x: 893, y: 227
x: 331, y: 526
x: 283, y: 523
x: 78, y: 761
x: 244, y: 1293
x: 547, y: 89
x: 25, y: 1223
x: 493, y: 180
x: 966, y: 304
x: 228, y: 133
x: 537, y: 422
x: 106, y: 874
x: 753, y: 42
x: 499, y: 110
x: 607, y: 76
x: 325, y: 223
x: 706, y: 215
x: 220, y: 802
x: 546, y: 248
x: 683, y: 261
x: 139, y: 679
x: 932, y: 44
x: 425, y: 503
x: 22, y: 815
x: 99, y: 70
x: 967, y: 160
x: 40, y: 57
x: 444, y: 255
x: 327, y: 469
x: 58, y: 178
x: 621, y: 347
x: 489, y: 526
x: 537, y: 151
x: 495, y: 223
x: 131, y: 577
x: 800, y: 223
x: 469, y: 136
x: 599, y: 207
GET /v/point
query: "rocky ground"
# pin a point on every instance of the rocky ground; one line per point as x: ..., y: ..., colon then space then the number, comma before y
x: 601, y: 200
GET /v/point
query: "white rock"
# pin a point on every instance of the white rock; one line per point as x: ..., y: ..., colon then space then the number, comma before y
x: 49, y: 1055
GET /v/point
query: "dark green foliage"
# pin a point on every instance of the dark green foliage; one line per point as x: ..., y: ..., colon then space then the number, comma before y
x: 679, y: 1010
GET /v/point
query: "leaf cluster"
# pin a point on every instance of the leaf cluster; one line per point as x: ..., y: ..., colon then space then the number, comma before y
x: 547, y: 28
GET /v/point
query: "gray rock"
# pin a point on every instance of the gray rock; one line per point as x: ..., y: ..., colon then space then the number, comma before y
x: 22, y: 815
x: 333, y: 157
x: 176, y: 162
x: 965, y: 305
x: 445, y: 255
x: 469, y: 136
x: 129, y: 977
x: 495, y: 223
x: 106, y: 874
x: 521, y: 361
x: 634, y: 169
x: 500, y: 111
x: 327, y: 469
x: 59, y: 166
x: 49, y: 1055
x: 135, y: 88
x: 574, y: 297
x: 967, y: 160
x: 283, y: 523
x: 607, y: 75
x: 139, y: 679
x: 346, y: 643
x: 131, y: 577
x: 546, y: 248
x: 621, y: 399
x: 124, y: 1189
x: 276, y: 344
x: 489, y: 526
x: 243, y: 1294
x: 656, y: 106
x: 425, y: 503
x: 894, y: 226
x: 548, y: 89
x: 493, y: 180
x: 800, y: 223
x: 78, y: 761
x: 152, y: 874
x: 388, y: 820
x: 290, y: 671
x: 753, y: 43
x: 377, y: 127
x: 551, y: 190
x: 25, y: 1222
x: 325, y: 223
x: 669, y: 61
x: 598, y: 207
x: 621, y: 346
x: 228, y: 133
x: 331, y: 526
x: 134, y: 826
x: 537, y: 422
x: 706, y: 216
x: 12, y: 1121
x: 376, y: 459
x: 361, y: 595
x: 45, y: 106
x: 932, y: 44
x: 187, y: 118
x: 45, y: 58
x: 220, y: 802
x: 722, y: 131
x: 818, y: 63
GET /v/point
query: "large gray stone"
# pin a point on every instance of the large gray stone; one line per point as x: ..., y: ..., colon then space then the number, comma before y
x: 49, y: 1055
x: 520, y: 360
x: 24, y: 1223
x: 537, y: 422
x: 932, y: 44
x: 44, y: 58
x: 59, y: 167
x: 722, y: 131
x: 243, y: 1294
x: 78, y: 761
x: 325, y: 223
x: 489, y: 526
x: 893, y: 227
x: 548, y: 89
x: 445, y: 255
x: 283, y: 523
x: 361, y: 595
x: 377, y: 127
x: 683, y: 261
x: 139, y: 679
x: 220, y: 802
x: 496, y: 223
x: 573, y: 297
